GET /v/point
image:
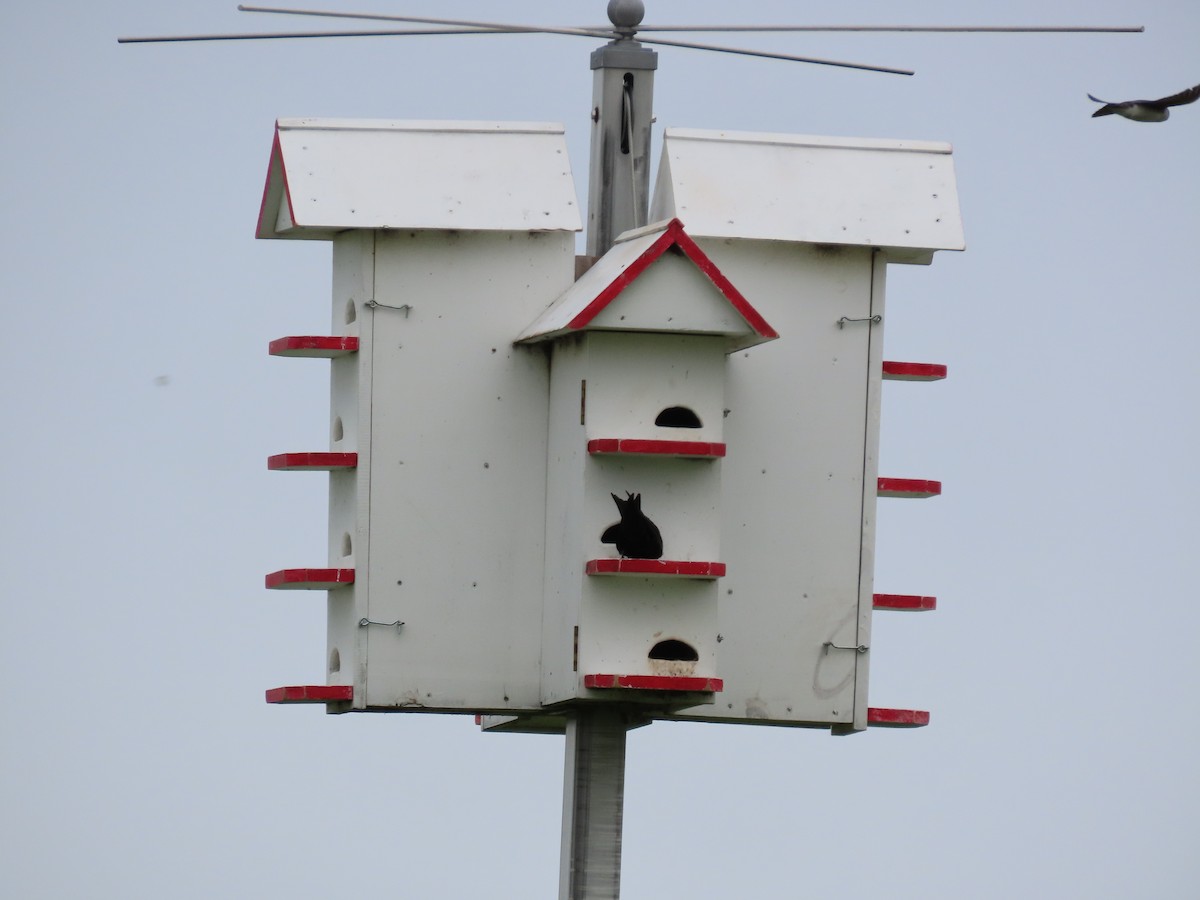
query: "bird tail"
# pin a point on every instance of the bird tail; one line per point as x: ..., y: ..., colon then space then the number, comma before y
x: 1103, y: 111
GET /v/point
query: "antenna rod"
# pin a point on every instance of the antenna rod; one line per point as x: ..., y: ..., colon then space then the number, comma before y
x: 953, y: 29
x: 252, y: 36
x: 608, y: 34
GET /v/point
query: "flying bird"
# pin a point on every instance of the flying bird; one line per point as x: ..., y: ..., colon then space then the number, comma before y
x: 635, y: 535
x: 1146, y: 110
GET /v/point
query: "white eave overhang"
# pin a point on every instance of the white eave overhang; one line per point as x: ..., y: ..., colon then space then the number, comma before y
x: 331, y: 175
x: 899, y: 196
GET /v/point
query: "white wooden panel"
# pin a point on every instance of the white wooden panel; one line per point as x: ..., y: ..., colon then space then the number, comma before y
x: 457, y: 449
x: 623, y: 618
x: 327, y: 175
x: 797, y: 487
x: 671, y: 295
x: 567, y: 548
x: 877, y: 193
x: 634, y: 377
x: 349, y: 496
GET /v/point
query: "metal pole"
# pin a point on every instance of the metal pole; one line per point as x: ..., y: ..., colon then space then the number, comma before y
x: 618, y: 200
x: 622, y: 112
x: 593, y: 805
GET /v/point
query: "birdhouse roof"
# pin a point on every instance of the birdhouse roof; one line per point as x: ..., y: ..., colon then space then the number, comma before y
x: 638, y: 286
x: 330, y: 175
x: 897, y: 195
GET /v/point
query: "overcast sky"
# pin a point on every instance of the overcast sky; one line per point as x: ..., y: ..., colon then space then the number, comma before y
x: 138, y: 758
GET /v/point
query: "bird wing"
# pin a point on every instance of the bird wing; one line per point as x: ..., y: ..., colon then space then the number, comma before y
x: 611, y: 533
x: 1188, y: 96
x: 1098, y: 100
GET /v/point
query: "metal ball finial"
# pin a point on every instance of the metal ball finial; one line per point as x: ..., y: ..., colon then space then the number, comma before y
x: 626, y: 13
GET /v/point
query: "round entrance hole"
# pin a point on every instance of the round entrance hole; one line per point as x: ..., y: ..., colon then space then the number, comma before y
x: 673, y: 657
x: 678, y: 417
x: 675, y: 650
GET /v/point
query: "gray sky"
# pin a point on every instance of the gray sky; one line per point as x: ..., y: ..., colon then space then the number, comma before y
x: 138, y: 757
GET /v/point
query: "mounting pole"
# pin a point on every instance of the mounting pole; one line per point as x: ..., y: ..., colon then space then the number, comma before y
x: 622, y: 112
x: 593, y: 805
x: 618, y: 200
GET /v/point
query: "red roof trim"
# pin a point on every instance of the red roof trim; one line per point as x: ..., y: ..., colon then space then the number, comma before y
x: 276, y: 164
x: 654, y: 683
x: 674, y: 236
x: 311, y: 693
x: 622, y: 281
x: 897, y: 718
x: 709, y: 268
x: 276, y: 154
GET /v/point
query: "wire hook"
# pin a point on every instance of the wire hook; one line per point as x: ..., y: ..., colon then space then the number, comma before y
x: 874, y: 320
x: 830, y: 645
x: 364, y: 622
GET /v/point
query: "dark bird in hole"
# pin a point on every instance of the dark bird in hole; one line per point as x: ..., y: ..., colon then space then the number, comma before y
x: 1146, y: 110
x: 635, y: 535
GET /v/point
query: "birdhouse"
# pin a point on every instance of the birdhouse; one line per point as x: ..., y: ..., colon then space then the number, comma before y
x: 555, y: 482
x: 638, y: 348
x: 448, y: 238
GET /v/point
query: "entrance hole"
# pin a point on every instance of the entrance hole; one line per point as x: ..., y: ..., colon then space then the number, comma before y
x: 675, y: 650
x: 678, y: 417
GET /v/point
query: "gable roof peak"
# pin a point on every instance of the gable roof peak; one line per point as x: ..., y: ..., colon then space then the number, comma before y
x: 583, y: 305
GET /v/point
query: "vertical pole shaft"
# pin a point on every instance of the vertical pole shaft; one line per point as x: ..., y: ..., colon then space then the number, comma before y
x: 618, y: 200
x: 593, y: 806
x: 622, y: 112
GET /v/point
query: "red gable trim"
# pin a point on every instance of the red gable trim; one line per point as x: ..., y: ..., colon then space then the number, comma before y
x: 675, y: 236
x: 709, y: 268
x: 275, y: 169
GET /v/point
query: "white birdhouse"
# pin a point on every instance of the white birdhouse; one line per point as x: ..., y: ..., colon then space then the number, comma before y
x: 476, y: 563
x: 637, y: 404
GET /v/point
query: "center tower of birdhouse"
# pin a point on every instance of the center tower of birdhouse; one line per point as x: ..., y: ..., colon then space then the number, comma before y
x: 638, y: 351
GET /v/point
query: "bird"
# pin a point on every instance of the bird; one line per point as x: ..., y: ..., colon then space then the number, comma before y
x: 636, y: 536
x: 1146, y: 110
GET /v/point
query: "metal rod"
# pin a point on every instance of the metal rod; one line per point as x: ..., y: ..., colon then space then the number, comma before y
x: 765, y: 54
x: 606, y: 33
x: 607, y: 30
x: 280, y: 35
x: 578, y: 32
x: 935, y: 29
